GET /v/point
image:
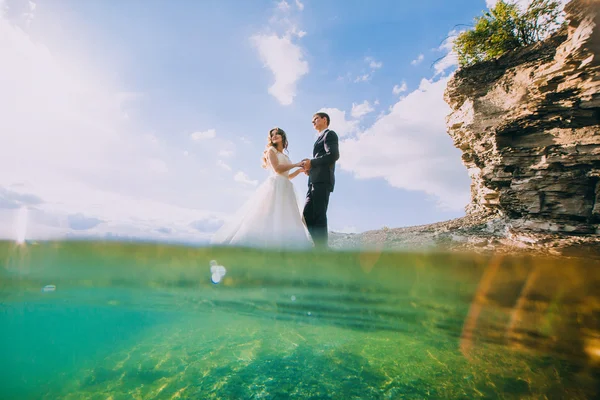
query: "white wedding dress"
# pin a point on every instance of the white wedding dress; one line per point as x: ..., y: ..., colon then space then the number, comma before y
x: 270, y: 218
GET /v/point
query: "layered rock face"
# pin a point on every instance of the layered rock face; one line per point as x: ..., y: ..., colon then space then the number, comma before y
x: 528, y: 125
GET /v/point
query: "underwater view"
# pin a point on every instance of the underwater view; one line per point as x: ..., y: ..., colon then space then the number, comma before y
x: 109, y: 320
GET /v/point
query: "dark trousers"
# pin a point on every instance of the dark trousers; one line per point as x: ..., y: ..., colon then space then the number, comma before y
x: 315, y: 212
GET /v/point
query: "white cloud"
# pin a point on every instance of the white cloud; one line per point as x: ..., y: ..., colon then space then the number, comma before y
x: 283, y: 6
x: 208, y: 224
x: 226, y: 153
x: 157, y: 166
x: 418, y: 60
x: 72, y: 111
x: 67, y: 139
x: 116, y: 215
x: 362, y: 109
x: 223, y: 165
x: 286, y: 62
x: 202, y: 135
x: 299, y: 5
x: 362, y: 78
x: 30, y: 13
x: 409, y: 148
x: 339, y: 123
x: 280, y: 54
x: 348, y: 76
x: 243, y: 178
x: 399, y: 89
x: 22, y: 11
x: 373, y: 64
x: 152, y: 139
x: 450, y: 60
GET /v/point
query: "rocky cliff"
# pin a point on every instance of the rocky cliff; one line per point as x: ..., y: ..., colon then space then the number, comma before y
x: 528, y: 125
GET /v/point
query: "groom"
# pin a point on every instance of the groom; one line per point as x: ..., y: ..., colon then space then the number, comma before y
x: 321, y: 179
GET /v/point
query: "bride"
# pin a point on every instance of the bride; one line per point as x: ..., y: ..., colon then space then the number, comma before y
x: 271, y: 217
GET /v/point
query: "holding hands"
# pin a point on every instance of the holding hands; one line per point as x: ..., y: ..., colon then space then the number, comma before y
x: 305, y: 165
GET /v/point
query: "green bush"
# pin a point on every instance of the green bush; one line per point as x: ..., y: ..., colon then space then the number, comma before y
x: 506, y: 27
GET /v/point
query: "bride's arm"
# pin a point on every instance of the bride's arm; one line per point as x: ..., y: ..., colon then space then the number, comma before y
x: 295, y: 173
x: 280, y: 167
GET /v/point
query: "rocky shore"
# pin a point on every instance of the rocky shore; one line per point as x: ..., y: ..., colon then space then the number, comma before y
x: 478, y: 233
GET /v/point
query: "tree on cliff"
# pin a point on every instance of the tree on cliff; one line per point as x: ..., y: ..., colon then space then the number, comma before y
x: 506, y: 27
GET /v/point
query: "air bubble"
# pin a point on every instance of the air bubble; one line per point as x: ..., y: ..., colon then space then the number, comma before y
x: 48, y: 288
x: 216, y: 278
x: 217, y: 271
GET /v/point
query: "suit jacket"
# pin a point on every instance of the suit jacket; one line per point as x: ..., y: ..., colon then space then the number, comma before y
x: 325, y: 153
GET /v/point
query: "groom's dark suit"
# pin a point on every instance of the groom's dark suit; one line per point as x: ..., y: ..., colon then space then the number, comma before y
x: 321, y: 180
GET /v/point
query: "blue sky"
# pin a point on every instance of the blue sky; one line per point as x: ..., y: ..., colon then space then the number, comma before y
x: 148, y: 118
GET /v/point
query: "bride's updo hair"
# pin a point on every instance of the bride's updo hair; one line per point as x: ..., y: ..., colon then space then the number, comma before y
x: 270, y: 144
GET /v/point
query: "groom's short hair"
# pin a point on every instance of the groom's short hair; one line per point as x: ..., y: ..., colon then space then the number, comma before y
x: 324, y: 115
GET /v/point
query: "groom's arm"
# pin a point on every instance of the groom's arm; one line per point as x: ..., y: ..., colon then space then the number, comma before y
x: 332, y: 151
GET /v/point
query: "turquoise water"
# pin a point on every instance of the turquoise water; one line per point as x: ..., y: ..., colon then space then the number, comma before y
x: 145, y: 321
